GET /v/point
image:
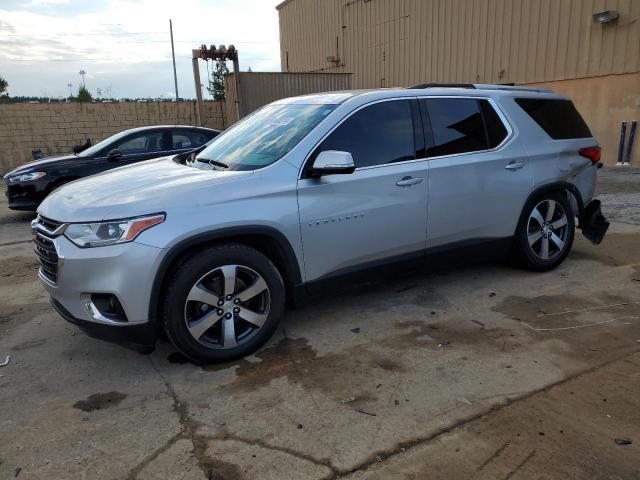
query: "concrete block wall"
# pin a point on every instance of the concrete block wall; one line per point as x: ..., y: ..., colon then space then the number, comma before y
x: 56, y: 127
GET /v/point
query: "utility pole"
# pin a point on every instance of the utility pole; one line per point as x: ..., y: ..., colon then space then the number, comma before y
x: 173, y: 54
x: 70, y: 92
x: 82, y: 74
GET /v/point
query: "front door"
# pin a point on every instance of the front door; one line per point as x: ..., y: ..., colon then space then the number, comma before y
x: 378, y: 212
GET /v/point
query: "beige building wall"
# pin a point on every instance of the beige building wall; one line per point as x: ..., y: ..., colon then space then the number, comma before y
x: 260, y: 88
x: 56, y: 128
x: 403, y: 42
x: 605, y: 102
x: 554, y: 43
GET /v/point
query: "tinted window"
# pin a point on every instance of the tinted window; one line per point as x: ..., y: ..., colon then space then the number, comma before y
x: 457, y: 126
x: 189, y: 139
x: 143, y: 143
x: 378, y: 134
x: 559, y: 118
x: 496, y: 131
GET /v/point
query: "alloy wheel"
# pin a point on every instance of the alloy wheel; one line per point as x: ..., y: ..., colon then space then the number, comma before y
x: 547, y: 229
x: 227, y: 306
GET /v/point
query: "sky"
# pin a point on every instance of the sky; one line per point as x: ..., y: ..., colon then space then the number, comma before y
x: 124, y: 46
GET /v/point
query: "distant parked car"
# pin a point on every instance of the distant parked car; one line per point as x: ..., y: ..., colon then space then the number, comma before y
x: 29, y: 184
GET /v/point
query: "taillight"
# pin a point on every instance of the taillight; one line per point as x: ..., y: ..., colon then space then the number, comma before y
x: 592, y: 153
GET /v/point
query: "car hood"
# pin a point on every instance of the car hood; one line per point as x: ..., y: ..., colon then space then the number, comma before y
x: 43, y: 163
x: 146, y: 187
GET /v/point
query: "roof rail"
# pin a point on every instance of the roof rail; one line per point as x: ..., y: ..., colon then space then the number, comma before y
x: 443, y: 85
x: 492, y: 86
x: 482, y: 86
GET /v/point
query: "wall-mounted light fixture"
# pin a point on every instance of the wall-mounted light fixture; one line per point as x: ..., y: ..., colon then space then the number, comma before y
x: 608, y: 16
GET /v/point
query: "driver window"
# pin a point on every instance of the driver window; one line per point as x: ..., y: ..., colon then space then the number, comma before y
x: 375, y: 135
x: 143, y: 143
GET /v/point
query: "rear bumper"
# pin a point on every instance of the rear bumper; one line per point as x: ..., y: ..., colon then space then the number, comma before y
x: 592, y: 222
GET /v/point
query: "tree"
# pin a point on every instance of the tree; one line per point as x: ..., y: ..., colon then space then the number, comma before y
x: 84, y: 95
x: 216, y: 82
x: 3, y: 87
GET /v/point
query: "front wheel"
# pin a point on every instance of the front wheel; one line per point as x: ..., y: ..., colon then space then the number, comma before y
x: 223, y: 303
x: 545, y: 233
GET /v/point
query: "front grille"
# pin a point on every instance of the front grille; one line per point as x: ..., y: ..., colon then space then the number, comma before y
x: 45, y: 249
x: 48, y: 223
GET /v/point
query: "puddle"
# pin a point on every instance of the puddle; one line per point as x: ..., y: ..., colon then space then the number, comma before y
x: 99, y: 401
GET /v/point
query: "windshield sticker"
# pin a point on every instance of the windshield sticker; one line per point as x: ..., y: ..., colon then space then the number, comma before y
x: 276, y: 122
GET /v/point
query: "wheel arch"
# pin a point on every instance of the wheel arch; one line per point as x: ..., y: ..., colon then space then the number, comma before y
x: 266, y: 240
x: 573, y: 195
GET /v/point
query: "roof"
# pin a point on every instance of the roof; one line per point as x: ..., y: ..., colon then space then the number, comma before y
x: 150, y: 127
x: 339, y: 97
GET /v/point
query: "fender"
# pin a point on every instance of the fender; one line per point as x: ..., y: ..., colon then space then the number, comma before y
x: 559, y: 186
x: 292, y: 273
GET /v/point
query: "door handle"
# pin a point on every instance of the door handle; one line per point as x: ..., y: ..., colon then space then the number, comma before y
x: 408, y: 181
x: 514, y: 165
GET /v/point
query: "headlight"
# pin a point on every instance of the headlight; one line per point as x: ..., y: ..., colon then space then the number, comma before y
x: 111, y: 232
x: 26, y: 177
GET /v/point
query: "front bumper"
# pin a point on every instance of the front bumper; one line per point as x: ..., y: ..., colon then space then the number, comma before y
x: 26, y: 195
x: 141, y: 338
x: 125, y: 270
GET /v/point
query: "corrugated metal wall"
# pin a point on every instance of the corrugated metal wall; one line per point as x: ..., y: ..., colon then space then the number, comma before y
x: 260, y: 88
x: 403, y: 42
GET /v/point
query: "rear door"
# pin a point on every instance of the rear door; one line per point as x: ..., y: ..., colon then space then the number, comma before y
x: 479, y: 175
x: 378, y: 212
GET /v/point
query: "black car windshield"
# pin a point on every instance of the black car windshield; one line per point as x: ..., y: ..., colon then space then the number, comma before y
x: 100, y: 145
x: 261, y: 138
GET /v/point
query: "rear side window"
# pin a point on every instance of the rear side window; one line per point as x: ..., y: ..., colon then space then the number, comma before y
x: 378, y: 134
x: 496, y: 131
x: 559, y: 118
x: 456, y: 125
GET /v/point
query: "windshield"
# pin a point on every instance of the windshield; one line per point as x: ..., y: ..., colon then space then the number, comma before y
x: 100, y: 145
x: 262, y: 138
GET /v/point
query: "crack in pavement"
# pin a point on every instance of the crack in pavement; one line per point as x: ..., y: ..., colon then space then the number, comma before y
x: 17, y: 242
x: 490, y: 459
x: 404, y: 447
x: 520, y: 465
x: 302, y: 456
x: 210, y: 467
x: 189, y: 430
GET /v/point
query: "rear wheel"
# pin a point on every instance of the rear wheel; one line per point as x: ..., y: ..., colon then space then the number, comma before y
x: 546, y: 232
x: 223, y: 303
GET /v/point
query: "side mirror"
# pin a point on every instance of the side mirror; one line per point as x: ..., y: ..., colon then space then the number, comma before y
x: 114, y: 154
x: 331, y: 162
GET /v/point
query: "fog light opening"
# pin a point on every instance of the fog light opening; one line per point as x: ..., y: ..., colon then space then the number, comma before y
x: 104, y: 306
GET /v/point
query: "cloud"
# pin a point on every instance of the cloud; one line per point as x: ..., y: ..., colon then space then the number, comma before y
x: 126, y: 43
x: 45, y: 3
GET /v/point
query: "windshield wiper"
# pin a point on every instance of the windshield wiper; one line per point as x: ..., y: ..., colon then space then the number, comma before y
x: 213, y: 162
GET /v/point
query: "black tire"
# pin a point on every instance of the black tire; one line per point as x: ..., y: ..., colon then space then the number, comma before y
x: 175, y: 307
x: 531, y: 257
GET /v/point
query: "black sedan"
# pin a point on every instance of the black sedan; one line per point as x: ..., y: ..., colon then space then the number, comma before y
x: 29, y: 184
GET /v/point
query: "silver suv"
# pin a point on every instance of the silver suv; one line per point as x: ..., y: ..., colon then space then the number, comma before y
x: 308, y: 189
